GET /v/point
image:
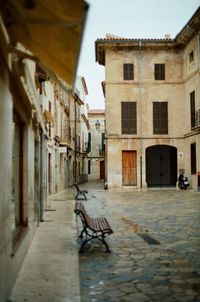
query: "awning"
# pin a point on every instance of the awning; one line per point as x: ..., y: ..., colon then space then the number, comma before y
x: 51, y: 29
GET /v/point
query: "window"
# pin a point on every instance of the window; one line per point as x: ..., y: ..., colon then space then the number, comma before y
x: 89, y: 167
x: 89, y: 142
x: 40, y: 77
x: 191, y: 57
x: 192, y: 109
x: 78, y: 142
x: 160, y: 117
x: 159, y: 71
x: 18, y: 220
x: 128, y: 115
x: 17, y: 175
x: 193, y: 158
x: 103, y: 142
x: 69, y: 133
x: 128, y: 72
x: 50, y: 123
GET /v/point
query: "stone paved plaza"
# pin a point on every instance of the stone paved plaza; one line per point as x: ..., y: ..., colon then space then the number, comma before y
x: 155, y: 247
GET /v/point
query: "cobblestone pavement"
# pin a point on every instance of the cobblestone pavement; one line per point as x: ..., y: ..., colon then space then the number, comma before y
x: 163, y: 265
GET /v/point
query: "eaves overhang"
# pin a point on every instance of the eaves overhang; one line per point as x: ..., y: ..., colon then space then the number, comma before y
x: 102, y: 44
x: 189, y: 30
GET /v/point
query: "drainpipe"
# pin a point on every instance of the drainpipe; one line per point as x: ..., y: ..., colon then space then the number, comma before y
x: 198, y: 34
x: 75, y: 140
x: 140, y: 108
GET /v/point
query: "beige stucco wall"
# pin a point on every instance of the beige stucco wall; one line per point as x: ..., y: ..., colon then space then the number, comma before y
x: 96, y: 138
x: 11, y: 261
x: 181, y: 79
x: 191, y: 77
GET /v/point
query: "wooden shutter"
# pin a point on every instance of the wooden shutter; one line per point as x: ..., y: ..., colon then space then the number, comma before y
x: 102, y: 142
x: 128, y: 72
x: 128, y: 117
x: 89, y: 142
x: 192, y: 109
x: 159, y: 71
x: 160, y: 117
x: 193, y: 158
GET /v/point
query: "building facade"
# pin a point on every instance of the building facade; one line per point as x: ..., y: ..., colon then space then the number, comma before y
x: 26, y: 117
x: 96, y: 161
x: 152, y: 102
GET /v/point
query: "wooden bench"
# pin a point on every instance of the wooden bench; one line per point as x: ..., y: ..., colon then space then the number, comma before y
x: 80, y: 192
x: 93, y: 228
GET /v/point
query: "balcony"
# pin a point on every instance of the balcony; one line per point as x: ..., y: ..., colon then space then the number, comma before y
x: 196, y: 120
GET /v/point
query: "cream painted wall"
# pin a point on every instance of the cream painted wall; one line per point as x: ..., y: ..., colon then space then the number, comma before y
x: 96, y: 139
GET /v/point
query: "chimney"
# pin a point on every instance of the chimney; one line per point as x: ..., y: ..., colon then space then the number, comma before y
x: 167, y: 37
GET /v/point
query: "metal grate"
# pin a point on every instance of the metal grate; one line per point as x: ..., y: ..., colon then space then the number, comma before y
x: 148, y: 239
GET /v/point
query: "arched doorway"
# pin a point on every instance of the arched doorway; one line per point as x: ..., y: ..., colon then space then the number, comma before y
x: 161, y: 166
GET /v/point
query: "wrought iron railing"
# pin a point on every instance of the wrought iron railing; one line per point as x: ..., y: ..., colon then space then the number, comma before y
x: 197, y: 118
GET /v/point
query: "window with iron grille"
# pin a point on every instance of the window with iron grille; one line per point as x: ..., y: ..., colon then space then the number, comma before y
x: 159, y: 71
x: 128, y: 72
x: 160, y: 118
x: 129, y: 116
x: 192, y: 109
x: 193, y: 158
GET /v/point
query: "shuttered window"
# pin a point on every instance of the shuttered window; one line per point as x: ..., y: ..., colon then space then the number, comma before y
x: 102, y: 141
x: 159, y: 71
x: 128, y: 72
x: 160, y: 117
x: 191, y: 57
x: 192, y: 109
x: 128, y: 115
x: 89, y: 142
x: 193, y: 158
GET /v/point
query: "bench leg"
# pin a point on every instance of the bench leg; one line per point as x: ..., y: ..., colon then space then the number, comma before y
x: 82, y: 232
x: 76, y: 197
x: 100, y: 239
x: 107, y: 246
x: 83, y: 244
x: 81, y: 194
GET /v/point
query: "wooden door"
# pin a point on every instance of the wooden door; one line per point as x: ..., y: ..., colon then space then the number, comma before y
x: 102, y: 169
x: 129, y: 168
